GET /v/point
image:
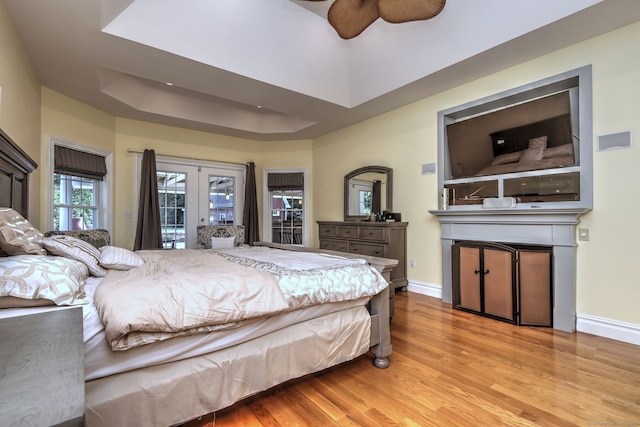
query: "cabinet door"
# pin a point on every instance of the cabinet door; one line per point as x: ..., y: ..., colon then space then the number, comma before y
x: 498, y: 283
x: 535, y: 288
x: 470, y: 279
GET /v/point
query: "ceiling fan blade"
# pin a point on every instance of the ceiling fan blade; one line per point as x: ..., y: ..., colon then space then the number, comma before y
x: 351, y: 17
x: 398, y: 11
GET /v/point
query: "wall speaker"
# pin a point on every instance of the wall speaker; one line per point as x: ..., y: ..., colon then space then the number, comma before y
x: 614, y: 141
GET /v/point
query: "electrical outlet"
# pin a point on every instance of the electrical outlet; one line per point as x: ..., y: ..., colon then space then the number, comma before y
x: 128, y: 214
x: 412, y: 263
x: 583, y: 234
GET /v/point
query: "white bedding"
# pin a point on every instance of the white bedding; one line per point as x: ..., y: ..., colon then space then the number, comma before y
x: 313, y: 284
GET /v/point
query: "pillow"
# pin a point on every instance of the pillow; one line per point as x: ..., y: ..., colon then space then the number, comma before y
x: 15, y: 302
x: 115, y: 258
x: 507, y: 158
x: 206, y: 232
x: 98, y: 237
x: 71, y: 247
x: 531, y: 155
x: 560, y: 150
x: 34, y: 278
x: 539, y: 142
x: 18, y: 236
x: 222, y: 242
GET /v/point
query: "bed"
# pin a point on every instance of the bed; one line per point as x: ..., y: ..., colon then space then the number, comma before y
x: 187, y: 365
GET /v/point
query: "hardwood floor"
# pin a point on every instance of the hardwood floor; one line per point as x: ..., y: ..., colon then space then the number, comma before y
x: 452, y: 368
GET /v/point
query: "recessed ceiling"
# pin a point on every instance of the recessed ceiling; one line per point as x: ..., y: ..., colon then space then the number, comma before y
x: 227, y: 58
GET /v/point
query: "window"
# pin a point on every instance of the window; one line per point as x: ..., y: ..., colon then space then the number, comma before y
x: 193, y: 193
x: 286, y: 217
x: 79, y: 186
x: 75, y: 203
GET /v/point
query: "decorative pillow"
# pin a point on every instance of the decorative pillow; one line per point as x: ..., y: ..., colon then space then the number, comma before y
x: 35, y: 278
x: 206, y: 232
x: 507, y: 158
x: 115, y: 258
x: 531, y: 155
x: 71, y: 247
x: 98, y: 237
x: 539, y: 142
x: 222, y: 242
x: 560, y: 150
x: 18, y: 236
x: 15, y: 302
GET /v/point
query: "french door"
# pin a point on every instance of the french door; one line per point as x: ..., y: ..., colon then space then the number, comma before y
x: 197, y: 194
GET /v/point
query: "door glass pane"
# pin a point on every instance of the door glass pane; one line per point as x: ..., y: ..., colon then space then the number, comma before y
x: 221, y: 199
x: 172, y: 200
x: 287, y: 216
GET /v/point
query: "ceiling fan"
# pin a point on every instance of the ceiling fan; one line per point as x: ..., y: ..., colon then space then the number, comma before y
x: 351, y: 17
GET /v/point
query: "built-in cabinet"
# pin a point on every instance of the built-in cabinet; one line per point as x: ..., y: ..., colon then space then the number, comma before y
x: 379, y: 239
x: 509, y: 283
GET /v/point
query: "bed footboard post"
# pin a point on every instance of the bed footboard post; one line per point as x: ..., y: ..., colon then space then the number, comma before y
x: 380, y: 315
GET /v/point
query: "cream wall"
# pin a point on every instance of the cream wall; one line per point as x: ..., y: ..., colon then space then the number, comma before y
x: 20, y: 103
x: 171, y: 141
x: 404, y: 139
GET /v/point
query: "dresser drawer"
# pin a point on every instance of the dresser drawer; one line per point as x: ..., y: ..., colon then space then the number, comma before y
x: 369, y: 249
x: 372, y: 233
x: 334, y: 245
x: 328, y: 231
x: 348, y: 232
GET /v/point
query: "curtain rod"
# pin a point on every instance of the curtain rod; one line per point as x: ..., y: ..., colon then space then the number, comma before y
x: 189, y: 158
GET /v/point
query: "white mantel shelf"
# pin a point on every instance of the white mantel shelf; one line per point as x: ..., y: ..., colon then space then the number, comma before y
x: 533, y: 226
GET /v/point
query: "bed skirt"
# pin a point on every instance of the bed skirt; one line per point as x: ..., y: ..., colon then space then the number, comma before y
x: 176, y: 392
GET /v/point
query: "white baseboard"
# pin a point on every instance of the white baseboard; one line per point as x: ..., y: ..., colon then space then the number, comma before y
x: 600, y: 326
x: 423, y: 288
x: 607, y: 328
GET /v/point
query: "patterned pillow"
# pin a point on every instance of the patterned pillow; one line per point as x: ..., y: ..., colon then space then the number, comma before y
x: 97, y: 238
x: 115, y: 258
x: 206, y: 232
x: 35, y: 278
x: 70, y: 247
x: 18, y: 236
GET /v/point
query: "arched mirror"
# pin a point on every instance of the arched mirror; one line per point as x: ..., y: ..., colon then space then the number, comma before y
x: 367, y: 190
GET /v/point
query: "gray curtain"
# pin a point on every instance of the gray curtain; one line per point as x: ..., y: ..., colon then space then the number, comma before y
x: 250, y: 217
x: 148, y: 231
x: 376, y: 197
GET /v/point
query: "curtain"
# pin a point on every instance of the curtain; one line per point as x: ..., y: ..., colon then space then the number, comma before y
x: 67, y: 161
x: 148, y: 231
x: 250, y: 217
x: 376, y: 197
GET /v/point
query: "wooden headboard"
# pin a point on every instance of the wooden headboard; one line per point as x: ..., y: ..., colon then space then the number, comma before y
x: 15, y: 167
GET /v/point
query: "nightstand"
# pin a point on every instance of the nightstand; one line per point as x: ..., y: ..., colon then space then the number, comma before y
x: 41, y: 367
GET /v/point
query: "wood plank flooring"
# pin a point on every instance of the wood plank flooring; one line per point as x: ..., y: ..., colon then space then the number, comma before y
x: 452, y: 368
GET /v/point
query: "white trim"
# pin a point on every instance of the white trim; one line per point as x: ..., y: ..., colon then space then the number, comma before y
x: 266, y: 208
x: 607, y: 328
x: 423, y: 288
x: 106, y: 195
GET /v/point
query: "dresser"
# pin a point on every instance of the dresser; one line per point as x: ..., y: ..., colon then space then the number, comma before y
x: 379, y: 239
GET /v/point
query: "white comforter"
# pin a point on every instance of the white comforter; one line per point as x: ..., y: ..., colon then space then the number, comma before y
x: 185, y: 292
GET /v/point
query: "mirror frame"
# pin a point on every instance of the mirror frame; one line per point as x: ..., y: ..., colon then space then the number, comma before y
x: 368, y: 169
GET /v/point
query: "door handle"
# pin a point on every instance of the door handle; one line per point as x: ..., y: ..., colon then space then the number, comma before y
x: 484, y: 272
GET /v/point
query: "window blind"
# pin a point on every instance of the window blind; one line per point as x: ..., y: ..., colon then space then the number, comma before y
x: 285, y: 181
x: 72, y: 162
